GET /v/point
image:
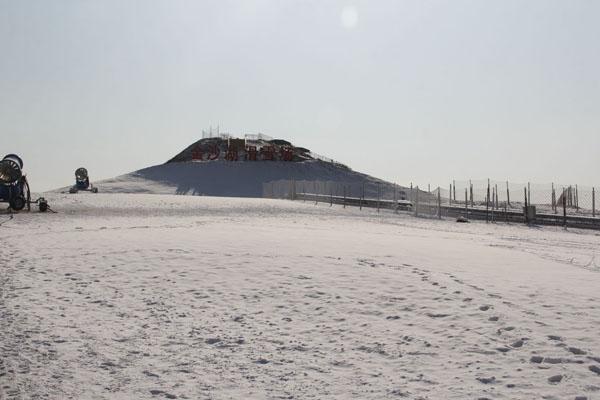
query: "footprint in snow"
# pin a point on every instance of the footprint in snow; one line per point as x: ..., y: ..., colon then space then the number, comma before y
x: 155, y: 392
x: 434, y: 315
x: 576, y: 351
x: 555, y: 379
x: 487, y: 381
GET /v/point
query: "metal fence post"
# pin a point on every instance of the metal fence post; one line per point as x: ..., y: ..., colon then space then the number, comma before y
x: 594, y: 202
x: 417, y: 203
x: 493, y: 201
x: 471, y: 193
x: 487, y: 203
x: 378, y: 194
x: 553, y: 199
x: 439, y: 199
x: 496, y: 192
x: 454, y: 191
x: 564, y: 203
x: 526, y: 206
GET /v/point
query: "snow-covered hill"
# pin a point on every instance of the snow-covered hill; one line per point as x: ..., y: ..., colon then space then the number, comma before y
x: 231, y: 167
x: 235, y: 179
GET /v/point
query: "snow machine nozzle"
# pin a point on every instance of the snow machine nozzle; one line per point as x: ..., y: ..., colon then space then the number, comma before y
x: 82, y: 182
x: 11, y: 168
x: 81, y: 174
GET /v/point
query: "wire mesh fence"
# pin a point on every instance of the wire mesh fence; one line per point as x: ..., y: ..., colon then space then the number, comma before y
x: 489, y: 200
x: 547, y: 198
x: 368, y: 189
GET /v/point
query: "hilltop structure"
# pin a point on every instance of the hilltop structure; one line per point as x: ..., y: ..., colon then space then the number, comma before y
x: 249, y: 148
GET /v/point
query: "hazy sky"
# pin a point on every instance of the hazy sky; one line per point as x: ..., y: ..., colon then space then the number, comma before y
x: 421, y: 91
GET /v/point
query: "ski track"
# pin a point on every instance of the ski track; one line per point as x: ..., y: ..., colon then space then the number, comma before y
x: 141, y: 296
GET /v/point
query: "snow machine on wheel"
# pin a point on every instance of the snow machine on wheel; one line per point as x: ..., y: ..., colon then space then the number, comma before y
x: 82, y: 182
x: 14, y: 188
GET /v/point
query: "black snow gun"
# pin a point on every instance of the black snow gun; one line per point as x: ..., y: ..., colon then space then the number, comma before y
x: 82, y: 182
x: 14, y: 188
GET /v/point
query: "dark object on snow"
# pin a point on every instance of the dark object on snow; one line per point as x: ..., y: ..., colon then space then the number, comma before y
x: 43, y: 204
x: 82, y: 179
x: 462, y: 219
x: 82, y: 182
x: 555, y: 379
x: 14, y: 188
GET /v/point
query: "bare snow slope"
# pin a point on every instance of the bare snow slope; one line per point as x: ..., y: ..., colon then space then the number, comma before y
x: 153, y: 297
x: 232, y: 179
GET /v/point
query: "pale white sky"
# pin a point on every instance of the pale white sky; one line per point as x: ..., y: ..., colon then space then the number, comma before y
x: 421, y: 91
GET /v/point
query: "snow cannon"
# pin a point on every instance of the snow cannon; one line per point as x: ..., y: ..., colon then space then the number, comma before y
x: 82, y: 179
x: 14, y: 188
x: 82, y: 182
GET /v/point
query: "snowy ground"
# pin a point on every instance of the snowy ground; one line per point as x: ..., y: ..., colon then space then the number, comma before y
x: 148, y: 296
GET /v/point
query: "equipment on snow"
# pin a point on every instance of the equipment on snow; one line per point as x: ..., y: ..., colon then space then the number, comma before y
x: 14, y: 188
x: 82, y: 182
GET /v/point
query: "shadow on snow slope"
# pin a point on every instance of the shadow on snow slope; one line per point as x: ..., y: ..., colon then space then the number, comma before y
x: 237, y: 179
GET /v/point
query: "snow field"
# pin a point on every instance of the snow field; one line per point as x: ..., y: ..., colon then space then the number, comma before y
x: 150, y: 296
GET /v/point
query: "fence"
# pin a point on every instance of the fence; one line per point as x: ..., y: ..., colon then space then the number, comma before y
x: 569, y: 205
x: 547, y: 198
x: 369, y: 189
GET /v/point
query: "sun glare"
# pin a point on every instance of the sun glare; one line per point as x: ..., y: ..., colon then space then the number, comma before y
x: 349, y: 17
